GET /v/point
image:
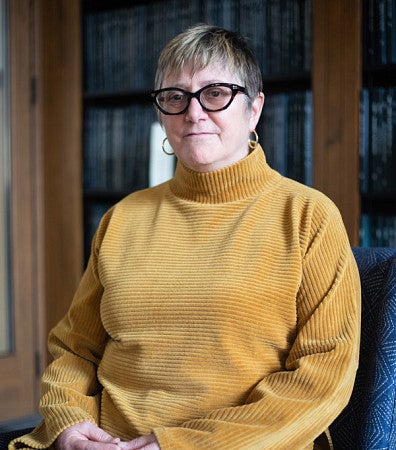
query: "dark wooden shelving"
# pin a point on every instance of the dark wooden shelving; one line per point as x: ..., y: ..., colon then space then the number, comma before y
x: 380, y: 75
x: 102, y: 100
x: 122, y: 97
x: 379, y: 203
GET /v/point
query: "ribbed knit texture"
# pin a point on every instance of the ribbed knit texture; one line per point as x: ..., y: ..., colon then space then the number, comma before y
x: 219, y: 310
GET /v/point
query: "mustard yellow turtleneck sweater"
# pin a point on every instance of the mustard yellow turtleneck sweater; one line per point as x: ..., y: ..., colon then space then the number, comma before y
x: 218, y: 310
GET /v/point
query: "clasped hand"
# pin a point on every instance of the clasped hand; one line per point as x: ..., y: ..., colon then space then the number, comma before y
x: 88, y: 436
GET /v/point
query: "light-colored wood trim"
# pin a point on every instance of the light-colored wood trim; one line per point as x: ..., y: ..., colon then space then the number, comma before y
x: 336, y: 79
x: 17, y: 370
x: 47, y: 249
x: 58, y: 138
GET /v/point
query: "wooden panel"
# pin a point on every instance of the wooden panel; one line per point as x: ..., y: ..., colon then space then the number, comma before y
x: 47, y: 250
x: 58, y: 104
x: 336, y: 80
x: 17, y: 371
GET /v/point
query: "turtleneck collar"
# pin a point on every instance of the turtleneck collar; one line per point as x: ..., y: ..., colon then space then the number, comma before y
x: 235, y: 182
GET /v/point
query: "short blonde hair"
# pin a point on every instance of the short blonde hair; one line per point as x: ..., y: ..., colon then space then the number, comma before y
x: 202, y: 45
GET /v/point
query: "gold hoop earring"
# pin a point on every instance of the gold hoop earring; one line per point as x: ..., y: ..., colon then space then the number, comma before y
x: 253, y: 144
x: 163, y: 148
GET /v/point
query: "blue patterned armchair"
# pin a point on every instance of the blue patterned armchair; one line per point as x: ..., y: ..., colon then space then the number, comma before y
x: 369, y: 420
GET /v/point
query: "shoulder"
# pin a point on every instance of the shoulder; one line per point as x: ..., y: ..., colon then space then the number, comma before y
x: 306, y: 199
x: 312, y: 214
x: 143, y: 197
x: 129, y: 210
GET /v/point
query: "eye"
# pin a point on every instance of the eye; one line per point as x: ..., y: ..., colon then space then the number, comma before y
x: 174, y: 97
x: 215, y: 92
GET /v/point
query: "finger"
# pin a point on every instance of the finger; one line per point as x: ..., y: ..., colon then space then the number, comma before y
x: 152, y: 446
x: 83, y: 435
x: 142, y: 442
x: 90, y: 445
x: 97, y: 434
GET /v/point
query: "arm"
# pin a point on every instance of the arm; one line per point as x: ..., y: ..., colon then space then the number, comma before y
x: 290, y: 408
x: 70, y: 389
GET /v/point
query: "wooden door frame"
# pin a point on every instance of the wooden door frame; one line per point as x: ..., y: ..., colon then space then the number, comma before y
x: 17, y: 369
x: 58, y: 112
x: 46, y: 191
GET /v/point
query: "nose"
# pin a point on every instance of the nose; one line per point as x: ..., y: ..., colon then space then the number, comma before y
x: 195, y: 112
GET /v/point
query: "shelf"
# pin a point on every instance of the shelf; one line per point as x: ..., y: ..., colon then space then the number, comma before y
x: 103, y: 196
x: 104, y: 5
x: 287, y: 83
x: 116, y: 98
x: 381, y: 75
x: 379, y: 204
x: 271, y: 84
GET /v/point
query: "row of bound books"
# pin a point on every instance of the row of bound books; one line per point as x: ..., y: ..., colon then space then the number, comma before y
x: 380, y: 17
x: 121, y: 46
x: 378, y: 141
x: 378, y: 230
x: 116, y: 148
x: 285, y: 130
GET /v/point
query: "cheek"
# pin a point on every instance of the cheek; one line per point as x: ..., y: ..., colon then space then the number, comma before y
x: 237, y: 127
x: 171, y: 126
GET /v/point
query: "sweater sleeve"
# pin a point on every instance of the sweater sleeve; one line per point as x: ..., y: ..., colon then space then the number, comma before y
x: 290, y: 408
x: 70, y: 389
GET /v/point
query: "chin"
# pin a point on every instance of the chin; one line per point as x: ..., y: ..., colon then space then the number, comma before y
x: 198, y: 158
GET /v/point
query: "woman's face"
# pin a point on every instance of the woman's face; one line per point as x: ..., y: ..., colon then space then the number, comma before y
x: 206, y: 141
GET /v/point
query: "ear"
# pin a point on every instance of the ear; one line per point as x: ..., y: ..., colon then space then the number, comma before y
x: 255, y: 113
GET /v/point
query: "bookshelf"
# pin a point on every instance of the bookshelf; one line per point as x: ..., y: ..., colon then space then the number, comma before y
x: 121, y: 44
x: 378, y: 125
x: 340, y: 56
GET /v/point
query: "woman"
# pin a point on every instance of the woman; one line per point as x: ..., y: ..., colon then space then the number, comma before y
x: 219, y: 310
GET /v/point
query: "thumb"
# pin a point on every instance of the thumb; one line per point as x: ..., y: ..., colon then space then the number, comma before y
x: 95, y: 433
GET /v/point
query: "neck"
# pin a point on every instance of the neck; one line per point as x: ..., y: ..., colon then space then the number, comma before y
x: 242, y: 179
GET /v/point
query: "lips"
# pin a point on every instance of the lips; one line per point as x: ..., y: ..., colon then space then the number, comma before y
x: 202, y: 133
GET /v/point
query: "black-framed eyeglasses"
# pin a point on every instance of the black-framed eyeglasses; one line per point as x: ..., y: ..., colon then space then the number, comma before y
x: 213, y: 97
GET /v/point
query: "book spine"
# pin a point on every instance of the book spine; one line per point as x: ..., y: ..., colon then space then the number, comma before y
x: 364, y: 141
